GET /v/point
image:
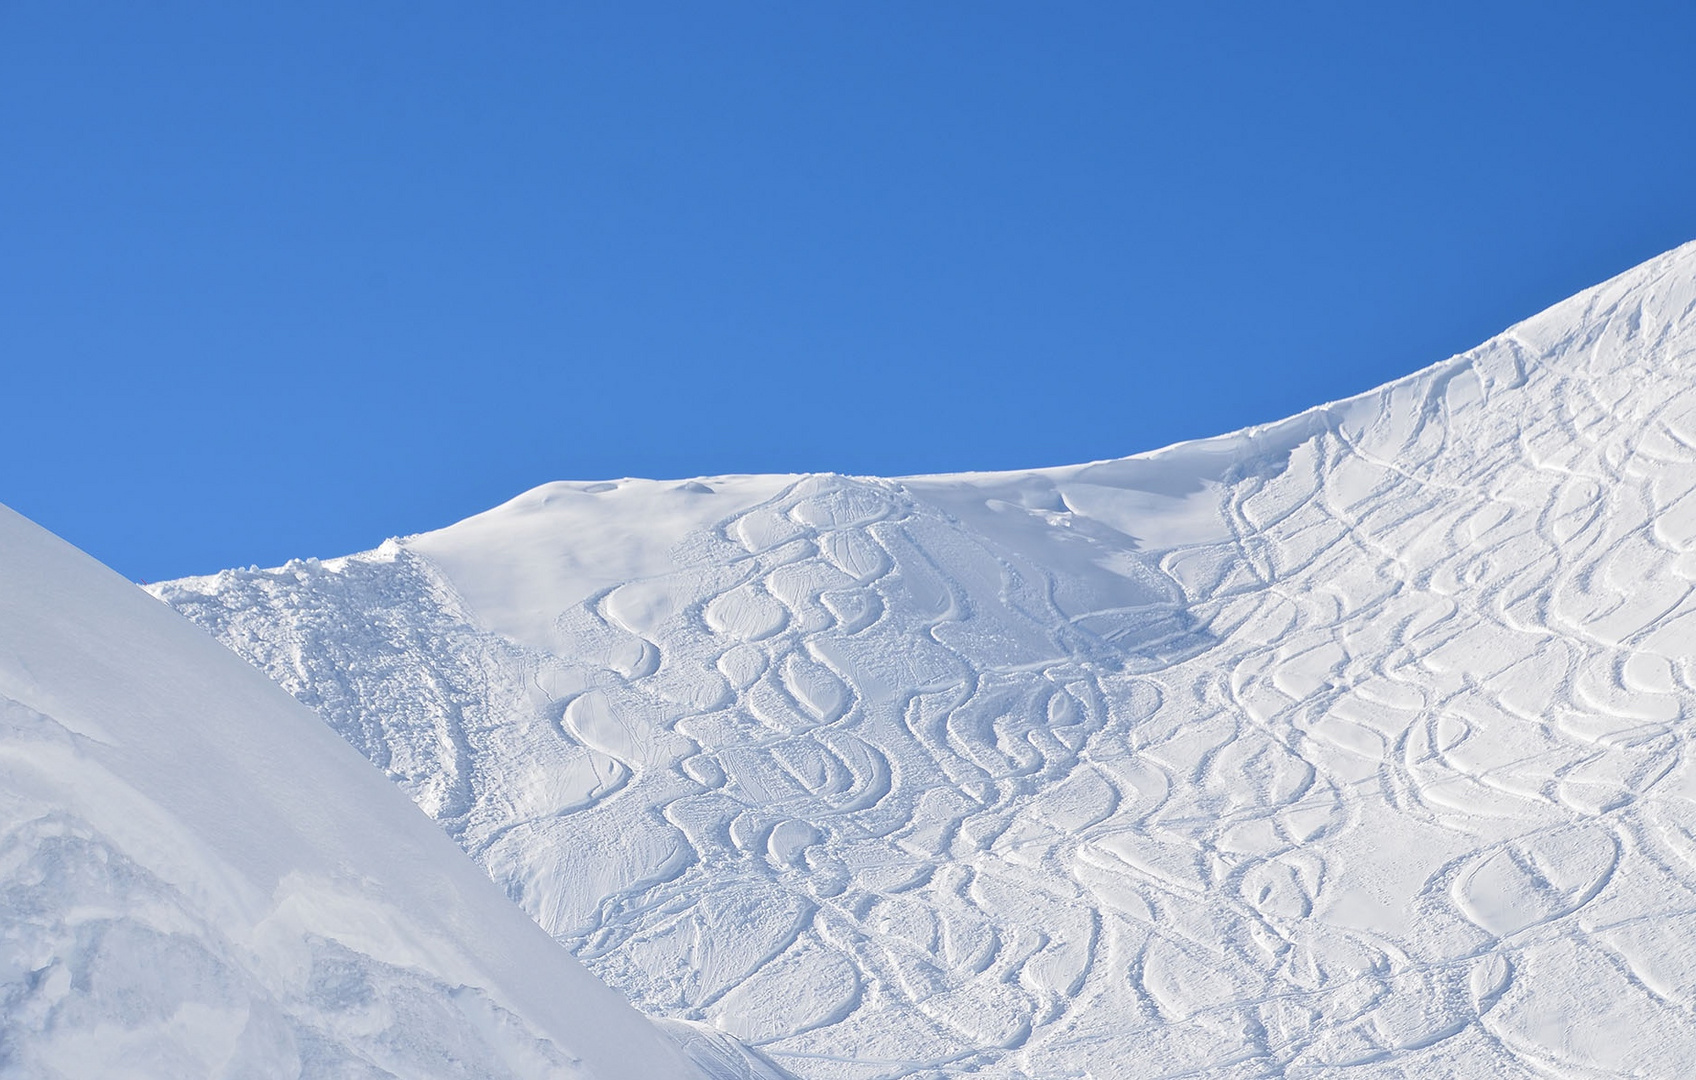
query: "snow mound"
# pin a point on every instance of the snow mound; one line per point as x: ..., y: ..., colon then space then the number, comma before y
x: 1357, y: 743
x: 198, y: 879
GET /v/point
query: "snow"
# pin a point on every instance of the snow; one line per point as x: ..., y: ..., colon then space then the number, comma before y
x: 1353, y: 744
x: 198, y: 879
x: 526, y: 560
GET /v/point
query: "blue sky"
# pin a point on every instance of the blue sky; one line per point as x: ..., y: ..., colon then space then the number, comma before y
x: 285, y: 282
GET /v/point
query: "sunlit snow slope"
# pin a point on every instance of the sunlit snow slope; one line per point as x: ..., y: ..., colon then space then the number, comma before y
x: 197, y: 879
x: 1350, y: 745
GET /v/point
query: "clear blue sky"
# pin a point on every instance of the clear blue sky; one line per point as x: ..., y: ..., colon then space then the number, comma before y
x: 284, y: 280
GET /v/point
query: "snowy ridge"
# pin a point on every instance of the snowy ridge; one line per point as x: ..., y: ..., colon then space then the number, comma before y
x: 1355, y: 743
x: 197, y: 879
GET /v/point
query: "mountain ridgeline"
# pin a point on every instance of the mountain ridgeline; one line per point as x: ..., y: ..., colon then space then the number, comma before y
x: 1355, y: 743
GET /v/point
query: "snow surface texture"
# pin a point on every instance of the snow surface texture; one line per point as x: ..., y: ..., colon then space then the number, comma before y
x: 1354, y: 745
x: 197, y: 879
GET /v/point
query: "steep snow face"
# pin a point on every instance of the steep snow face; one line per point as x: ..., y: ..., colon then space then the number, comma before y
x: 198, y: 879
x: 1355, y: 743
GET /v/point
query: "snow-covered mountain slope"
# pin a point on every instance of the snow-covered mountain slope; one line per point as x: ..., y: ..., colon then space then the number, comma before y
x: 197, y: 879
x: 1356, y: 743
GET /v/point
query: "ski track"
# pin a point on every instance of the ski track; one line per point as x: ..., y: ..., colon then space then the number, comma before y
x: 1390, y: 779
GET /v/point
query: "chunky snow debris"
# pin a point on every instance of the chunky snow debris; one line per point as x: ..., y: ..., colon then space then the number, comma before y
x: 1356, y: 743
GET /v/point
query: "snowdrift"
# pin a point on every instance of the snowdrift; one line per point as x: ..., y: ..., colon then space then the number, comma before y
x: 198, y: 879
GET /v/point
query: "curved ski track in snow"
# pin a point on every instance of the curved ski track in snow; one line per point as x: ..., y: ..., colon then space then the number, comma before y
x: 1356, y: 744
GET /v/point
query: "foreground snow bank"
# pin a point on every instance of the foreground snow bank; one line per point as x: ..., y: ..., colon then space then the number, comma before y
x: 197, y: 878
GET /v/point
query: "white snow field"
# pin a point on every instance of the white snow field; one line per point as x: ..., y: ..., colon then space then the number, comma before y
x: 1352, y: 745
x: 198, y: 879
